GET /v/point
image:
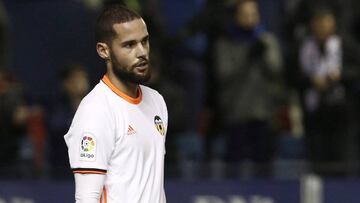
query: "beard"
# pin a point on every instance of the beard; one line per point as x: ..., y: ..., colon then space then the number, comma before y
x: 125, y: 75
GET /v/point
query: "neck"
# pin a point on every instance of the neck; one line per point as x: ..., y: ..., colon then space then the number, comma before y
x: 128, y: 88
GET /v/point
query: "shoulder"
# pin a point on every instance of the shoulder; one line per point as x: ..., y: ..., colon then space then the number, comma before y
x: 95, y: 103
x: 225, y: 41
x: 152, y: 95
x: 269, y: 38
x: 308, y: 43
x: 95, y: 98
x: 150, y: 92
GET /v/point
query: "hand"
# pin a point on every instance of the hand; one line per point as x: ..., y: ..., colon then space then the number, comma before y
x: 320, y: 82
x: 334, y: 75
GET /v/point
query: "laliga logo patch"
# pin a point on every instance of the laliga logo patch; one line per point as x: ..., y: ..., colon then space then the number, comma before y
x: 87, y: 147
x: 159, y: 125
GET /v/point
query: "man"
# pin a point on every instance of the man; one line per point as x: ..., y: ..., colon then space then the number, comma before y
x: 117, y: 138
x: 248, y: 68
x: 14, y: 114
x: 322, y: 63
x: 74, y: 86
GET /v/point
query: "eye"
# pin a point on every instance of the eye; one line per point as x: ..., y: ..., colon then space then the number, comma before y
x: 145, y: 40
x: 129, y: 45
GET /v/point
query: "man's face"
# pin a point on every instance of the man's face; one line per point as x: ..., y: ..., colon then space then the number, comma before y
x: 247, y: 15
x: 129, y: 52
x: 77, y: 84
x: 323, y: 27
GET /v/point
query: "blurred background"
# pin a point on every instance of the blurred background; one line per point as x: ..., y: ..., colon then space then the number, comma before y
x: 263, y: 96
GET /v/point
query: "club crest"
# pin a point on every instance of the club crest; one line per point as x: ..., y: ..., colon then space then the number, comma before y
x: 159, y: 125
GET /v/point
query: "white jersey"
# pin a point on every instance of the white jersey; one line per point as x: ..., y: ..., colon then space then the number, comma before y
x: 123, y: 138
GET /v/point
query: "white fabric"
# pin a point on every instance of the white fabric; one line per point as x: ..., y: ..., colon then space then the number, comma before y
x: 316, y: 64
x: 126, y: 143
x: 88, y: 193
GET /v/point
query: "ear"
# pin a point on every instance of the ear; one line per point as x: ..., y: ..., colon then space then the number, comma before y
x: 103, y: 50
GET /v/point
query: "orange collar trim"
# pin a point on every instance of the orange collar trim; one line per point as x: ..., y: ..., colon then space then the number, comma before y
x: 116, y: 90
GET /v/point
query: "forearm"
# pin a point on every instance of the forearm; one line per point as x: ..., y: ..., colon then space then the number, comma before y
x: 88, y: 187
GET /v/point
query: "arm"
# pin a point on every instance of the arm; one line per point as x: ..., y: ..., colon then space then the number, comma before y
x: 311, y: 65
x: 273, y: 55
x: 334, y: 58
x: 86, y: 192
x: 90, y: 142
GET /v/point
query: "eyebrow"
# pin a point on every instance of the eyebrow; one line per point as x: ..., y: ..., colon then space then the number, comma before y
x: 134, y: 41
x: 146, y: 37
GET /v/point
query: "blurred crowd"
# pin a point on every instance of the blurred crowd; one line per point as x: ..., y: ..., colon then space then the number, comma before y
x: 254, y: 88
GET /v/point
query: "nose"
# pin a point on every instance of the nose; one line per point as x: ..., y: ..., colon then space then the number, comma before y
x: 141, y: 50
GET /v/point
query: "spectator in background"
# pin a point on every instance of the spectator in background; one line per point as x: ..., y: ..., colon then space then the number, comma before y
x: 74, y: 85
x: 13, y: 123
x: 248, y: 70
x: 321, y: 60
x: 185, y: 65
x: 174, y: 95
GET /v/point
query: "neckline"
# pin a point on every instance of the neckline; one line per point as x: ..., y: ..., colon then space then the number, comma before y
x: 121, y: 94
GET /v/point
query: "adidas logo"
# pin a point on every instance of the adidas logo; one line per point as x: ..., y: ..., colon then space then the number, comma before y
x: 130, y: 130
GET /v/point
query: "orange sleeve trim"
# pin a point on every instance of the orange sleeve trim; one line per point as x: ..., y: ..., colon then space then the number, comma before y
x: 103, y: 196
x: 117, y: 91
x: 88, y: 171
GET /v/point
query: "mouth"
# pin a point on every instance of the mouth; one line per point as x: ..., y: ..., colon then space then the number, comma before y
x: 141, y: 66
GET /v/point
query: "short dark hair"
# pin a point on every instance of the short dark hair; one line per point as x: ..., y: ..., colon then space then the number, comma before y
x: 111, y: 15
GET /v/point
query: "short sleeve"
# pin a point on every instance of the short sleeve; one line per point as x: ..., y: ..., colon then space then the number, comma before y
x: 164, y: 111
x: 90, y: 139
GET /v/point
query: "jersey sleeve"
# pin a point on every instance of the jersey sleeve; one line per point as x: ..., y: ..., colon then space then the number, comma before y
x: 90, y: 140
x: 164, y: 112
